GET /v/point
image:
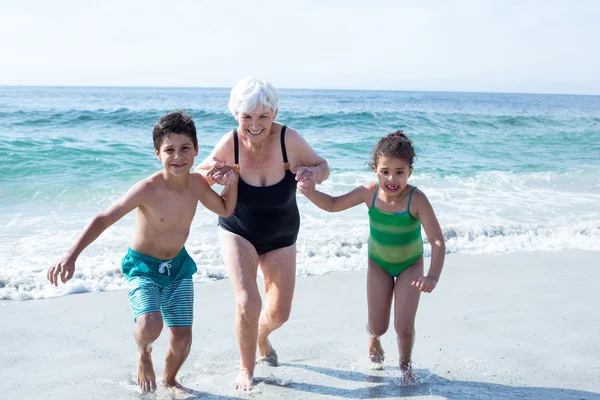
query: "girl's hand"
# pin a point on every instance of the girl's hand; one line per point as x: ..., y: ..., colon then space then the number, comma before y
x: 425, y: 284
x: 307, y: 179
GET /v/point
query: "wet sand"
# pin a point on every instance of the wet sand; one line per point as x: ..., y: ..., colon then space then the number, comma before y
x: 522, y: 325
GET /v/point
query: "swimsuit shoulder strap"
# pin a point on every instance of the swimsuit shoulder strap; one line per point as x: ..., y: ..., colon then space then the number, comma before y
x: 286, y: 164
x: 410, y: 198
x: 236, y: 150
x: 375, y: 194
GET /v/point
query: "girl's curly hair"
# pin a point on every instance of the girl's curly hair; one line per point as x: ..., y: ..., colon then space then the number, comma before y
x: 393, y: 145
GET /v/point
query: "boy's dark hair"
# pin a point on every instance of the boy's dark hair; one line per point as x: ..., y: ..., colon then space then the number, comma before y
x: 393, y: 145
x: 176, y: 122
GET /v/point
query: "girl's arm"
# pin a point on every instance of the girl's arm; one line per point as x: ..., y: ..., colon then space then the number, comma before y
x: 436, y: 238
x: 334, y: 204
x: 65, y: 267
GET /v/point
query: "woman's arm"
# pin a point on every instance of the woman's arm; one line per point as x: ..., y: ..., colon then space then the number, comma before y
x: 309, y: 164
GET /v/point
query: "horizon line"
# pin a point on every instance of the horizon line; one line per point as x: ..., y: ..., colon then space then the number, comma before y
x: 292, y: 88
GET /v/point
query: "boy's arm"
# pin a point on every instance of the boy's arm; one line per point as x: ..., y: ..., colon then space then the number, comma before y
x: 65, y: 267
x: 216, y: 161
x: 339, y: 203
x: 223, y: 205
x: 436, y: 239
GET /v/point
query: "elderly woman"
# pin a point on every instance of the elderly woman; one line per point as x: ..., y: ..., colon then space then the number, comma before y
x: 272, y: 161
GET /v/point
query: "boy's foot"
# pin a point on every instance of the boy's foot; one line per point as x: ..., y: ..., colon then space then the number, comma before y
x: 145, y: 372
x: 175, y: 387
x: 243, y: 381
x: 376, y: 353
x: 171, y: 383
x: 407, y: 376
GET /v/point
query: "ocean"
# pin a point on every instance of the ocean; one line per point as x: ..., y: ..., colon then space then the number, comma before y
x: 504, y: 172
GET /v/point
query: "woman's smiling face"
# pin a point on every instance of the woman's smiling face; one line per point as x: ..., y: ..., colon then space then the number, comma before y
x: 255, y: 124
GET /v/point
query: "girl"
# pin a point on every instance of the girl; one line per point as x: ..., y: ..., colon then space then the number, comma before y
x: 395, y: 270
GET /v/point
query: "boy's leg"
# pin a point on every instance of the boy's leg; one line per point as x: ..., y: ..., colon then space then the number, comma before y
x: 405, y: 310
x: 177, y: 306
x: 147, y: 329
x: 180, y: 343
x: 380, y: 289
x: 144, y: 297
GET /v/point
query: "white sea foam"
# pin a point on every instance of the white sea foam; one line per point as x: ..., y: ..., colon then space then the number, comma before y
x: 492, y: 212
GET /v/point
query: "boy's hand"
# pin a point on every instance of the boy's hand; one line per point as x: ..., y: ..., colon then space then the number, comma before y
x: 64, y: 268
x: 219, y: 173
x: 425, y: 284
x: 307, y: 180
x: 232, y: 177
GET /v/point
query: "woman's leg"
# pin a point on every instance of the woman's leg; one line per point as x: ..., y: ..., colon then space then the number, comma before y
x: 279, y: 277
x: 241, y: 260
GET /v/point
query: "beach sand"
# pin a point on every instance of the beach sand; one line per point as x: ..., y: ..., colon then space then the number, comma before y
x: 517, y: 326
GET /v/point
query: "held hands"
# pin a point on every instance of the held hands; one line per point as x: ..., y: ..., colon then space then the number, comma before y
x: 222, y: 174
x: 307, y: 179
x: 425, y: 284
x: 64, y: 268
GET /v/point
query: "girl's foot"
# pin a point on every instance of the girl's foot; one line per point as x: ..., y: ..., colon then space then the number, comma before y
x: 407, y: 376
x: 376, y: 353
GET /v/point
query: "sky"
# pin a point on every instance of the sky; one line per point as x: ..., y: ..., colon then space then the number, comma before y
x: 519, y: 46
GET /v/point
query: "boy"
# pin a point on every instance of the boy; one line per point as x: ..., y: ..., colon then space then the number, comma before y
x: 158, y: 268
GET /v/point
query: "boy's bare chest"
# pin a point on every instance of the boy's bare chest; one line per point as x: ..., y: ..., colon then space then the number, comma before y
x: 178, y: 210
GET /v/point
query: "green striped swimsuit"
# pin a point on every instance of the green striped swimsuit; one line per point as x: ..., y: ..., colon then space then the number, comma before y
x: 395, y: 241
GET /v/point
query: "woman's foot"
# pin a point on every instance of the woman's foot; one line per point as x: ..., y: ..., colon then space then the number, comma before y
x: 267, y: 354
x: 244, y: 380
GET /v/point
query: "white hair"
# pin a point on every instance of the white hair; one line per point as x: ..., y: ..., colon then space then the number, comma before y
x: 250, y: 92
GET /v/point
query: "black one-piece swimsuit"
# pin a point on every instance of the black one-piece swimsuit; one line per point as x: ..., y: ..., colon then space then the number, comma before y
x: 267, y: 216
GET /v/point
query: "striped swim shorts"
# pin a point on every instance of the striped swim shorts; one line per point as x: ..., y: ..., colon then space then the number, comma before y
x: 163, y: 286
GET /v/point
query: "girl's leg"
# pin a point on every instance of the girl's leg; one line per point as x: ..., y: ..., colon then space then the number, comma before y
x: 380, y: 289
x: 405, y: 310
x: 241, y: 260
